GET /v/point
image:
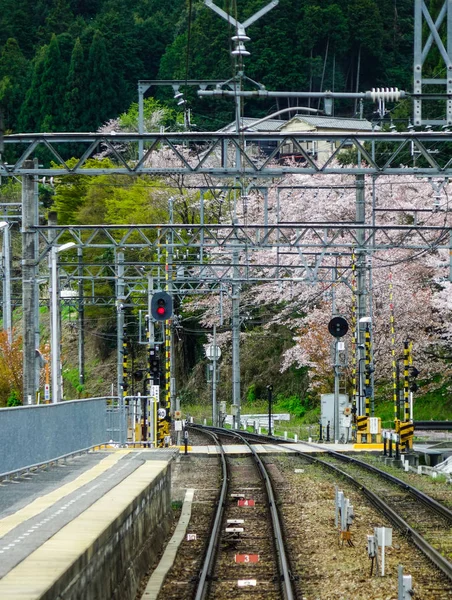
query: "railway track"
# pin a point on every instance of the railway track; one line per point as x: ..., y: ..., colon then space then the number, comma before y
x: 424, y: 520
x: 246, y: 548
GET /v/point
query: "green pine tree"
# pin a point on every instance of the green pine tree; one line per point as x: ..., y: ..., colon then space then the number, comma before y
x: 75, y: 105
x: 101, y: 96
x: 52, y: 90
x: 30, y: 112
x: 14, y: 71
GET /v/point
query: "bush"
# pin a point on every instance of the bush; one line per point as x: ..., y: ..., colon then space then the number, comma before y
x: 14, y: 399
x: 251, y: 393
x: 292, y: 405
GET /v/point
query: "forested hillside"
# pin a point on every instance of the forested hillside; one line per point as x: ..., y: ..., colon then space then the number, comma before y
x: 73, y: 64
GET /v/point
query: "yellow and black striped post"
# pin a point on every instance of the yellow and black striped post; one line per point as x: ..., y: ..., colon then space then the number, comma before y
x: 168, y: 350
x: 147, y: 418
x: 367, y: 362
x: 125, y: 364
x: 406, y: 381
x: 393, y: 350
x: 354, y: 332
x: 405, y: 429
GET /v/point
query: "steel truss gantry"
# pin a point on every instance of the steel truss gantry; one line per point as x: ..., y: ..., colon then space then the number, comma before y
x: 216, y: 237
x: 425, y: 153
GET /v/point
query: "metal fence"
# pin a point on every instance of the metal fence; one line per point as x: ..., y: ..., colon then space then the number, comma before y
x: 39, y: 433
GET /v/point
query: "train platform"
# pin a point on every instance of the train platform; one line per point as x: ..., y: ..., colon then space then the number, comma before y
x: 282, y: 448
x: 57, y: 525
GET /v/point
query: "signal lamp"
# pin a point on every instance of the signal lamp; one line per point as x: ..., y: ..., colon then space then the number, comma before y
x: 161, y: 306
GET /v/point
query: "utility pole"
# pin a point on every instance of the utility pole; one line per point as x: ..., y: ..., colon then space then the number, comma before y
x: 235, y: 341
x: 7, y: 311
x: 360, y: 281
x: 214, y: 379
x: 120, y: 342
x: 81, y: 319
x: 28, y: 284
x: 170, y: 328
x: 37, y: 329
x: 153, y: 378
x: 238, y: 53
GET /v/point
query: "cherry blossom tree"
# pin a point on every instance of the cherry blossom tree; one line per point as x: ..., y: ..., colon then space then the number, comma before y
x: 402, y: 279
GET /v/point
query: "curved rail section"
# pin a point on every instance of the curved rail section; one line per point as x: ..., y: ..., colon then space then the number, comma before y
x: 283, y: 563
x: 430, y: 502
x: 438, y: 559
x: 419, y: 540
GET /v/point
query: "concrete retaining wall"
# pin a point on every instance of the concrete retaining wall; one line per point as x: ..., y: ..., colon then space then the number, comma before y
x: 38, y: 433
x: 113, y: 566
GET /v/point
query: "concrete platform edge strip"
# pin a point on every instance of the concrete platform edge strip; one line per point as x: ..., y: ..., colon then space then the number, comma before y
x: 157, y: 578
x: 35, y: 576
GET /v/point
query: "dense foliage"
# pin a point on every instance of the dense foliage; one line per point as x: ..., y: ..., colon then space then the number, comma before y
x: 73, y: 64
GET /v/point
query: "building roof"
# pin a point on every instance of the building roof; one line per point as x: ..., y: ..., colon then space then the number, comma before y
x: 269, y: 125
x: 319, y: 122
x: 333, y: 122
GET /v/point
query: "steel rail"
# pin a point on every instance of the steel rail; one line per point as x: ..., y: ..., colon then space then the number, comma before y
x: 433, y: 504
x: 209, y: 561
x: 442, y: 563
x: 283, y: 563
x: 425, y: 498
x: 437, y: 559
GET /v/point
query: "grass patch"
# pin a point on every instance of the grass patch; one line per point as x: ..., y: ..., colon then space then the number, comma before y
x: 433, y: 406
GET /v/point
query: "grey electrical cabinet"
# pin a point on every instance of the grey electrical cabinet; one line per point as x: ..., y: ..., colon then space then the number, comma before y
x: 327, y: 415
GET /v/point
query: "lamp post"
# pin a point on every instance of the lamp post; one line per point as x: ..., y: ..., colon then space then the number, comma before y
x: 55, y: 334
x: 270, y: 397
x: 7, y: 312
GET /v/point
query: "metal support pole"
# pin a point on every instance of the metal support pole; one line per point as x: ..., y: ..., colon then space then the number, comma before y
x: 336, y: 391
x: 178, y: 433
x: 270, y: 397
x: 214, y: 379
x: 55, y: 329
x: 450, y: 255
x: 7, y: 311
x: 406, y: 382
x: 236, y: 341
x: 368, y: 358
x: 120, y: 341
x: 28, y: 285
x: 360, y: 279
x: 81, y: 320
x: 169, y: 288
x: 140, y: 119
x: 37, y: 329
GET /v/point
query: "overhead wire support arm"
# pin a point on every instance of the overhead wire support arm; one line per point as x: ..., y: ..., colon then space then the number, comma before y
x: 388, y: 94
x: 248, y: 22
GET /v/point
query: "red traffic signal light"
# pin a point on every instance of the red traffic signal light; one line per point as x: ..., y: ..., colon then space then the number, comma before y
x: 161, y: 306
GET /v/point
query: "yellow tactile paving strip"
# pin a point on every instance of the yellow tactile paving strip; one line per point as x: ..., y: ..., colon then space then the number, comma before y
x: 43, y: 502
x: 37, y: 573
